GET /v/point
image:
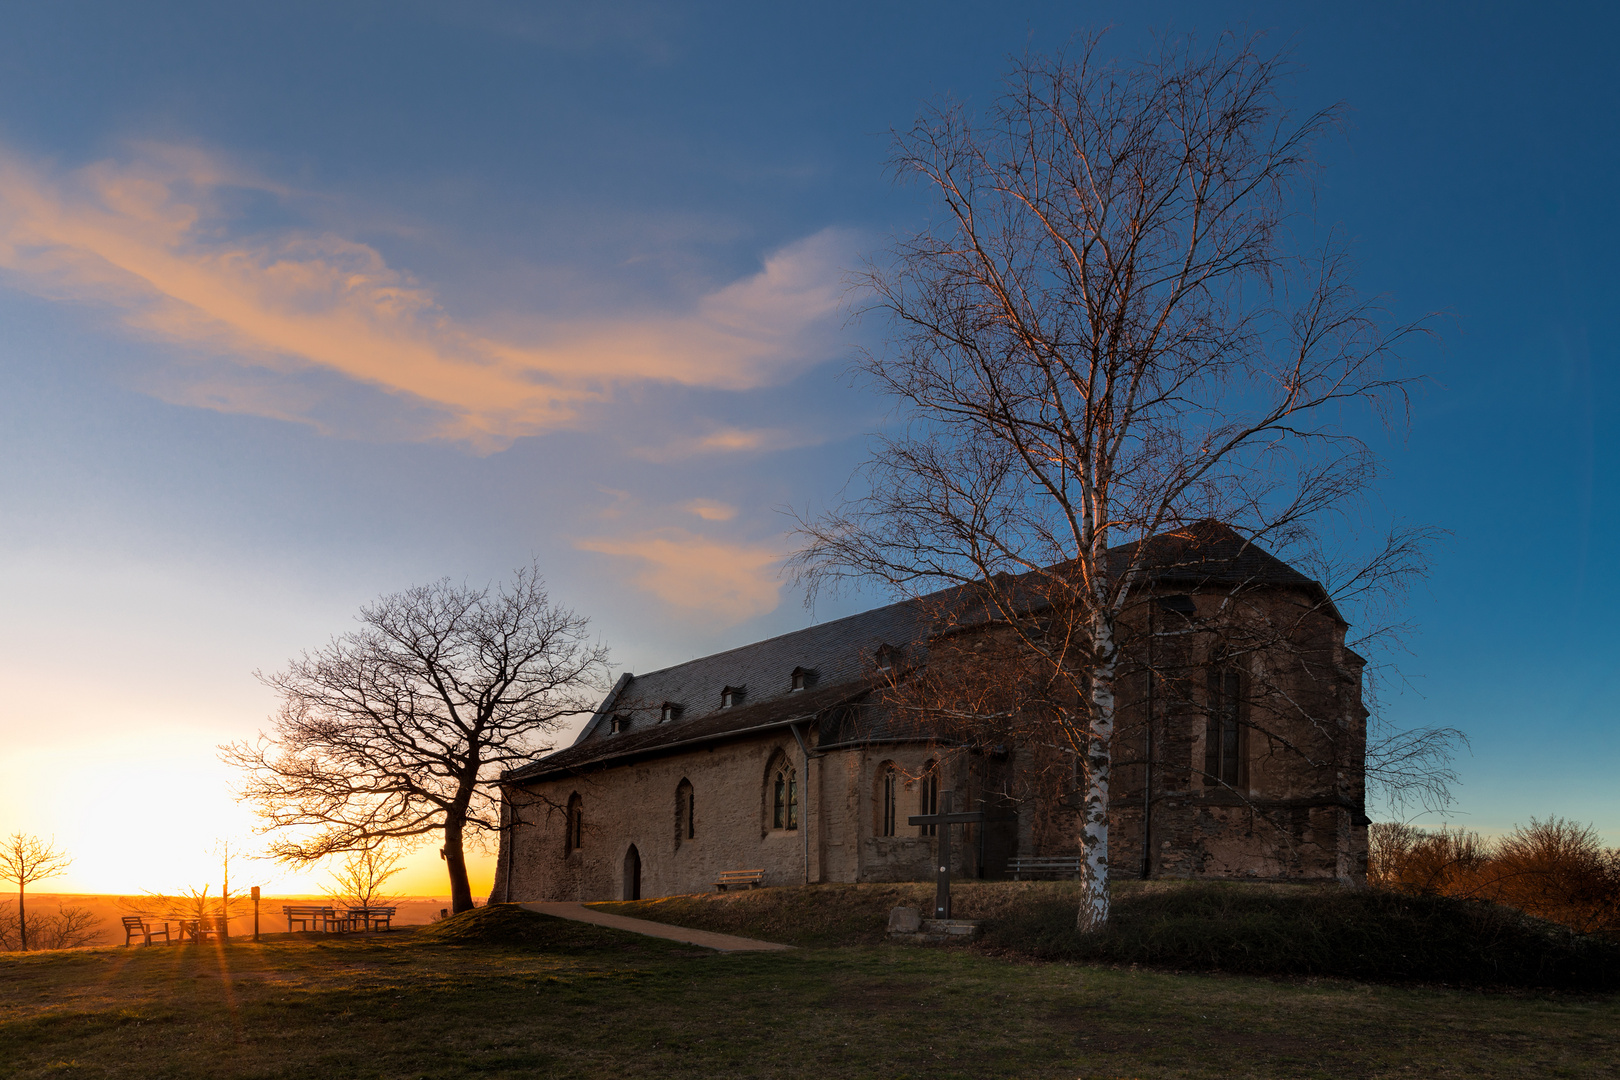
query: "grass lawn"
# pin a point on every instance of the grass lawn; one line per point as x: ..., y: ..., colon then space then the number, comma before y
x: 529, y: 996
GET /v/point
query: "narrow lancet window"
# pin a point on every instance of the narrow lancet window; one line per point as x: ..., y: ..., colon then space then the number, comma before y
x: 928, y: 802
x: 574, y: 825
x: 1224, y: 757
x: 685, y: 812
x: 785, y: 798
x: 888, y: 800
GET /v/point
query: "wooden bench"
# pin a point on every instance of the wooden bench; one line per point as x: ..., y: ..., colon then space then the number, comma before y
x: 371, y: 918
x: 1055, y: 864
x: 308, y: 915
x: 135, y: 924
x: 728, y: 878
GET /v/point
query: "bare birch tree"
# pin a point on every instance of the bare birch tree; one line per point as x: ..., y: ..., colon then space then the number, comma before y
x: 1109, y: 332
x: 399, y: 729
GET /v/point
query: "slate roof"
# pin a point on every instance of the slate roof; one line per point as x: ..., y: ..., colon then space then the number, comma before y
x: 840, y: 656
x: 778, y: 712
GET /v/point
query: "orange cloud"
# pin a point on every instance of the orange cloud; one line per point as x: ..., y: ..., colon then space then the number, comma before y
x: 150, y: 239
x: 728, y: 582
x: 710, y: 510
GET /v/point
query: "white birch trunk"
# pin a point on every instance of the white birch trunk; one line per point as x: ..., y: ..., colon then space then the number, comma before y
x: 1093, y: 913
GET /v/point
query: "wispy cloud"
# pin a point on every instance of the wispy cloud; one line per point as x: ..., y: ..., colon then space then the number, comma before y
x: 155, y: 238
x: 734, y: 440
x: 729, y: 582
x: 709, y: 510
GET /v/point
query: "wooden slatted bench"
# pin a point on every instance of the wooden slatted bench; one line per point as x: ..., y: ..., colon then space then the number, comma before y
x: 1053, y: 864
x: 371, y: 918
x: 135, y: 925
x: 307, y: 915
x: 728, y: 878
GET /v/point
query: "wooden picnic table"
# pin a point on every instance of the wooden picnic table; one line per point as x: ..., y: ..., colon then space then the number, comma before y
x: 201, y: 929
x: 371, y: 918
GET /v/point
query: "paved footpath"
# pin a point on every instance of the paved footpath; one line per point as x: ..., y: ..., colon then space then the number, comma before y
x: 709, y: 940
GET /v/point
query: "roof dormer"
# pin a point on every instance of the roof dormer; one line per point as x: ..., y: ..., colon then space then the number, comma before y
x: 887, y: 657
x: 619, y: 723
x: 732, y: 695
x: 670, y: 710
x: 802, y: 678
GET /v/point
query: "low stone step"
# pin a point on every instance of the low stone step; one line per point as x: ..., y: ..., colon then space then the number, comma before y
x: 951, y: 927
x: 906, y: 924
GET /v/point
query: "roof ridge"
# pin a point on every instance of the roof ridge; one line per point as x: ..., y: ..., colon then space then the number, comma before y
x: 779, y: 637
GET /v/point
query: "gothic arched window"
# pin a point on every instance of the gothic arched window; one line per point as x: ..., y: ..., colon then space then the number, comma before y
x: 685, y: 812
x: 928, y: 796
x: 784, y: 789
x: 1225, y: 745
x: 574, y: 825
x: 888, y: 798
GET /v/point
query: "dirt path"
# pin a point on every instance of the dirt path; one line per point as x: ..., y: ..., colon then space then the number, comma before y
x: 709, y: 940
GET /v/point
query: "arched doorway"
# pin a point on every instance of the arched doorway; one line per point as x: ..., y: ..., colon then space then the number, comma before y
x: 632, y: 874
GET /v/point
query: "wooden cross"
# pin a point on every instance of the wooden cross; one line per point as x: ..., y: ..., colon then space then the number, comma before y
x: 945, y: 819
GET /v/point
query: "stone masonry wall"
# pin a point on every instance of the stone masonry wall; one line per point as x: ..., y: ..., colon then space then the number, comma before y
x: 636, y: 804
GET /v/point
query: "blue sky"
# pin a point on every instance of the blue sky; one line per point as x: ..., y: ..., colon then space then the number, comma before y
x: 244, y: 253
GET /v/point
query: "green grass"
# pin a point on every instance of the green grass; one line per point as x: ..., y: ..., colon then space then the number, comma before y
x: 503, y: 993
x: 1272, y: 930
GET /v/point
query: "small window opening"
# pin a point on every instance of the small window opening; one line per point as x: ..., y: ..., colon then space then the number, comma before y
x: 620, y: 722
x: 886, y: 656
x: 802, y: 678
x: 670, y: 711
x: 574, y: 825
x: 685, y: 812
x: 731, y: 695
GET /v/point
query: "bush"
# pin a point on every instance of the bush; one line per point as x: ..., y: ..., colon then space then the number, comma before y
x: 1555, y: 870
x: 71, y: 927
x: 1298, y: 930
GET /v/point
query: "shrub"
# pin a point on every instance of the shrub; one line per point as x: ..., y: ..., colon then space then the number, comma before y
x: 1316, y: 931
x: 1555, y: 870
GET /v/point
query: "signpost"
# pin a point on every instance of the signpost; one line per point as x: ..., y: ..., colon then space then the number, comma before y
x: 944, y: 819
x: 255, y: 913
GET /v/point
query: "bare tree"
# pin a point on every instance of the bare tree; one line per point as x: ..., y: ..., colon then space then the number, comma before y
x: 198, y: 902
x: 23, y: 861
x: 399, y: 729
x: 1110, y: 333
x: 359, y: 880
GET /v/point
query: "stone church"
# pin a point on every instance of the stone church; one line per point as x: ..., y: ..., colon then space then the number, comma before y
x: 1238, y: 753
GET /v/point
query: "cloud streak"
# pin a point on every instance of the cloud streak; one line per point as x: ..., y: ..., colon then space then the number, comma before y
x: 155, y: 239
